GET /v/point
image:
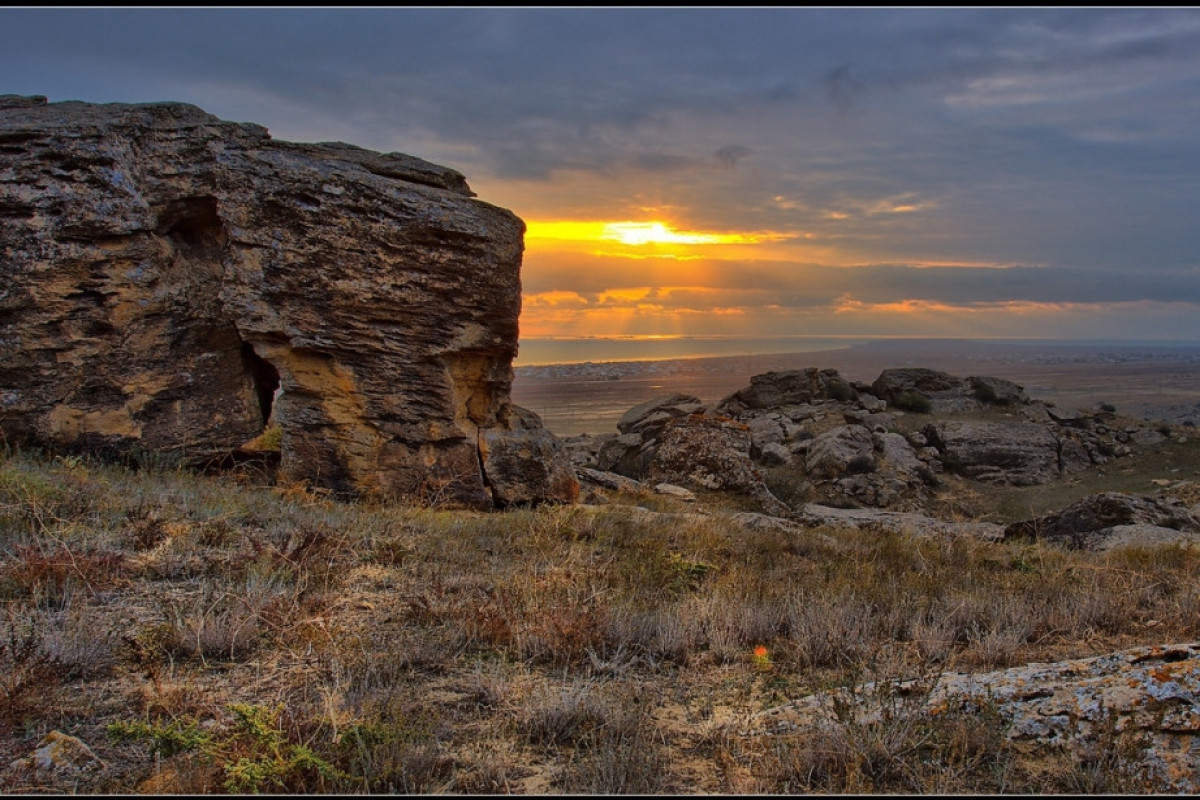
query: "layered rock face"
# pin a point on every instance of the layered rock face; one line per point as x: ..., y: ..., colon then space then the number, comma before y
x: 172, y: 280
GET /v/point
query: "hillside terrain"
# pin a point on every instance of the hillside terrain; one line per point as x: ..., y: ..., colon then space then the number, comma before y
x: 274, y: 518
x: 172, y: 632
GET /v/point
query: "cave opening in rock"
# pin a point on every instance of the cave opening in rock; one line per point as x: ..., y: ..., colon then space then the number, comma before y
x: 194, y: 227
x: 265, y: 377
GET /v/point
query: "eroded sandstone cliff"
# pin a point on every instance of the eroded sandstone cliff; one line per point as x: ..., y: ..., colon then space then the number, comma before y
x: 171, y: 281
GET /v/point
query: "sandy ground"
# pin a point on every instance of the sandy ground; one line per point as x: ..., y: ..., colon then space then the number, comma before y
x: 1151, y: 382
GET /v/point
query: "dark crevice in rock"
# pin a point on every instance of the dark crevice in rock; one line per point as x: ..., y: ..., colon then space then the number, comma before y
x: 265, y: 377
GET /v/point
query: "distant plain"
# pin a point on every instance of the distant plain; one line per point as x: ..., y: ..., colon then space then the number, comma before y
x: 1145, y: 381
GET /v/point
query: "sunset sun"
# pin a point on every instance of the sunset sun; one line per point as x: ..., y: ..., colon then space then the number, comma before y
x: 636, y: 233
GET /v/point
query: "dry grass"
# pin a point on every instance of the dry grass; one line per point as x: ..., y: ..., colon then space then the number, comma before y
x: 205, y: 635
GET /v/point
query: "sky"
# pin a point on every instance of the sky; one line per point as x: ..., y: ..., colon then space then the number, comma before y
x: 976, y: 172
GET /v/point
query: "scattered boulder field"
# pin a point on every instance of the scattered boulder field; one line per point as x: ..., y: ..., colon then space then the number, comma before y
x: 874, y: 455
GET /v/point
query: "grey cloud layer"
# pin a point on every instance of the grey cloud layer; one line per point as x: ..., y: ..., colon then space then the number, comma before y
x: 1064, y: 138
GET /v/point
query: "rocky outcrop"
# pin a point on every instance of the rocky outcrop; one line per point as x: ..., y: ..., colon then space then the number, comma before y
x: 793, y: 387
x: 1110, y: 519
x: 172, y: 280
x: 817, y: 437
x: 710, y: 452
x: 1145, y: 698
x: 932, y: 391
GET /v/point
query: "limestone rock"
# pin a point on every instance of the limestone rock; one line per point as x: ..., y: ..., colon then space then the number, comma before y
x: 997, y: 391
x: 849, y: 448
x: 774, y: 455
x: 791, y: 387
x: 678, y: 492
x: 608, y: 480
x: 1015, y: 453
x: 766, y: 430
x: 901, y: 388
x: 1147, y: 694
x: 525, y: 463
x: 871, y: 519
x: 913, y: 388
x: 708, y: 452
x: 1101, y: 521
x: 167, y: 273
x: 57, y: 755
x: 654, y: 413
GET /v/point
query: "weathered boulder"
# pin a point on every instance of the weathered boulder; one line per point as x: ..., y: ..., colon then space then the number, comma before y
x: 921, y: 389
x: 997, y: 391
x: 916, y: 389
x: 767, y: 430
x: 705, y: 451
x: 711, y: 452
x: 792, y: 387
x: 523, y: 462
x: 628, y: 454
x: 653, y: 414
x: 849, y: 448
x: 166, y: 274
x: 1109, y: 519
x: 608, y: 480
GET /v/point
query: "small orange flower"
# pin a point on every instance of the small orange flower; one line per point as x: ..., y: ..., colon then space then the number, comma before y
x: 760, y: 652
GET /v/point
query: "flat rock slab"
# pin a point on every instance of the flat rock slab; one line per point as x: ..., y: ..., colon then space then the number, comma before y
x: 872, y: 519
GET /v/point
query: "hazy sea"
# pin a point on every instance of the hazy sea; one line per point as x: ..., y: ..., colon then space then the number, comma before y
x: 598, y: 349
x: 536, y: 352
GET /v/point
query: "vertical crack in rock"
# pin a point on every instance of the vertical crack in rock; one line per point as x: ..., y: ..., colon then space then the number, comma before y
x: 168, y: 273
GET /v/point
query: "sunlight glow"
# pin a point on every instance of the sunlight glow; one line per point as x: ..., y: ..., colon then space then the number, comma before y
x: 638, y: 233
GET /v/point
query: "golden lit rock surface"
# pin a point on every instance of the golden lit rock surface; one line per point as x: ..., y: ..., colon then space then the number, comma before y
x: 171, y: 280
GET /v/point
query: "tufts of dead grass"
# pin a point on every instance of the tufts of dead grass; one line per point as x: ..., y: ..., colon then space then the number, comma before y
x: 568, y: 649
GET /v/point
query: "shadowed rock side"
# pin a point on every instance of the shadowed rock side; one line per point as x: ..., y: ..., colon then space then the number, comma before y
x: 172, y: 281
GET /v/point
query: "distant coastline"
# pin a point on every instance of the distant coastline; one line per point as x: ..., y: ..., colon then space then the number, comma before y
x: 552, y: 351
x: 555, y: 351
x: 594, y: 383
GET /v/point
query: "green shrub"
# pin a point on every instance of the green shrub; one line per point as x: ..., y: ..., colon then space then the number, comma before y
x: 913, y: 401
x: 984, y: 393
x: 840, y: 390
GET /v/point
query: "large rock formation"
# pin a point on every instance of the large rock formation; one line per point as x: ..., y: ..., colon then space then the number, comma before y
x: 172, y: 280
